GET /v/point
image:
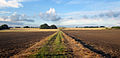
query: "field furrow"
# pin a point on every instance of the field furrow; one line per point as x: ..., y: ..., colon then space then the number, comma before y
x: 58, y: 45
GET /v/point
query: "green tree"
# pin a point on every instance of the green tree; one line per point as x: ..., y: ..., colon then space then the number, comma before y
x: 1, y: 28
x: 44, y: 26
x: 4, y: 26
x: 53, y: 27
x: 26, y: 27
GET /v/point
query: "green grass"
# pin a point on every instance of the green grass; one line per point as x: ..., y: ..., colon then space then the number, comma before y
x: 54, y: 48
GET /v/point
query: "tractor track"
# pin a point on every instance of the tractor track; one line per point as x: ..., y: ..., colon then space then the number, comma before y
x: 59, y: 45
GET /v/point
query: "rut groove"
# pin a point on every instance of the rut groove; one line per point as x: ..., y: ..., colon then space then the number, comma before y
x: 59, y: 45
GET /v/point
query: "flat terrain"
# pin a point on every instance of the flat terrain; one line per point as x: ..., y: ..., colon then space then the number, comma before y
x: 107, y: 41
x: 84, y: 28
x: 13, y: 42
x: 27, y: 30
x: 58, y: 45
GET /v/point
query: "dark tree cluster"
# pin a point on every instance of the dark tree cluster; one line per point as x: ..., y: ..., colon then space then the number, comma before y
x: 4, y: 26
x: 46, y: 26
x: 91, y: 27
x: 26, y: 27
x: 116, y: 27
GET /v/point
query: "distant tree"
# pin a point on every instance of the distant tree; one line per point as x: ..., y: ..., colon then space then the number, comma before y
x: 44, y: 26
x: 116, y: 27
x: 53, y: 27
x: 76, y: 27
x: 4, y: 26
x: 91, y: 27
x: 17, y: 27
x: 26, y: 27
x: 102, y: 26
x: 1, y: 28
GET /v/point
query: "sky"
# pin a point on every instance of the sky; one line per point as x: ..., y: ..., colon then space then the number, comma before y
x: 65, y: 13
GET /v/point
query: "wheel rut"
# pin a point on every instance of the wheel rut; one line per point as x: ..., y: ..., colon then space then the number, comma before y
x: 58, y: 45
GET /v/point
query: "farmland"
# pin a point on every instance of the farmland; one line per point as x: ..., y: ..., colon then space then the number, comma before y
x: 65, y: 43
x: 100, y: 41
x: 58, y: 45
x: 26, y: 30
x: 13, y: 42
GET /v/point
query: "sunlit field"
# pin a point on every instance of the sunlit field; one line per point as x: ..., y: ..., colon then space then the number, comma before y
x: 84, y: 28
x: 59, y: 28
x: 27, y: 30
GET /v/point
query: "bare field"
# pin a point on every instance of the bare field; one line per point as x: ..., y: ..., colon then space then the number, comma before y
x: 107, y: 41
x: 27, y: 30
x: 58, y: 45
x: 84, y: 28
x: 13, y: 42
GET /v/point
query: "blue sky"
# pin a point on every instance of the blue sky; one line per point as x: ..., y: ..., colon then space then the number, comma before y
x: 69, y: 13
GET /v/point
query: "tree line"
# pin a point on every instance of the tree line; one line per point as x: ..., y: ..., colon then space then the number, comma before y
x: 43, y: 26
x: 46, y: 26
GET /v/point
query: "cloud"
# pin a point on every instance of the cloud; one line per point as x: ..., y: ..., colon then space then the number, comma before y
x: 110, y: 14
x: 50, y: 15
x: 93, y: 14
x: 16, y: 19
x: 20, y: 17
x: 107, y: 18
x: 88, y: 22
x: 81, y: 1
x: 61, y: 1
x: 11, y: 23
x: 4, y: 12
x: 11, y: 3
x: 3, y: 19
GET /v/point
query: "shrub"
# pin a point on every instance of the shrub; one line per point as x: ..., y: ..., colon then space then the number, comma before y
x: 53, y: 27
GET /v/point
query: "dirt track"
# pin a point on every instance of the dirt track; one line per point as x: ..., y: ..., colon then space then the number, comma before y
x: 107, y: 41
x: 13, y: 42
x: 58, y: 45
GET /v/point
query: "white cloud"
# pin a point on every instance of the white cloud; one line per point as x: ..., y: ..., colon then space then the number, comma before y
x: 91, y: 22
x: 61, y: 1
x: 57, y: 1
x: 91, y: 18
x: 17, y: 18
x: 80, y: 1
x: 4, y: 12
x: 50, y: 15
x: 11, y: 3
x: 2, y: 19
x: 51, y: 11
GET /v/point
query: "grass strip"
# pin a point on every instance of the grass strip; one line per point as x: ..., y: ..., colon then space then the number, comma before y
x: 54, y: 48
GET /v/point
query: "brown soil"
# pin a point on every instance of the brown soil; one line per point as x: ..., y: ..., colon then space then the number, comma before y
x: 78, y: 50
x: 13, y: 42
x: 105, y: 42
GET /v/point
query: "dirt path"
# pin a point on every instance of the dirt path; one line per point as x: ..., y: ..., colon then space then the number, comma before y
x: 58, y: 45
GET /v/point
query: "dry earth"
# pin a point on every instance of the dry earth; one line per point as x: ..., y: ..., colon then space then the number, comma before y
x: 106, y: 42
x: 13, y: 42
